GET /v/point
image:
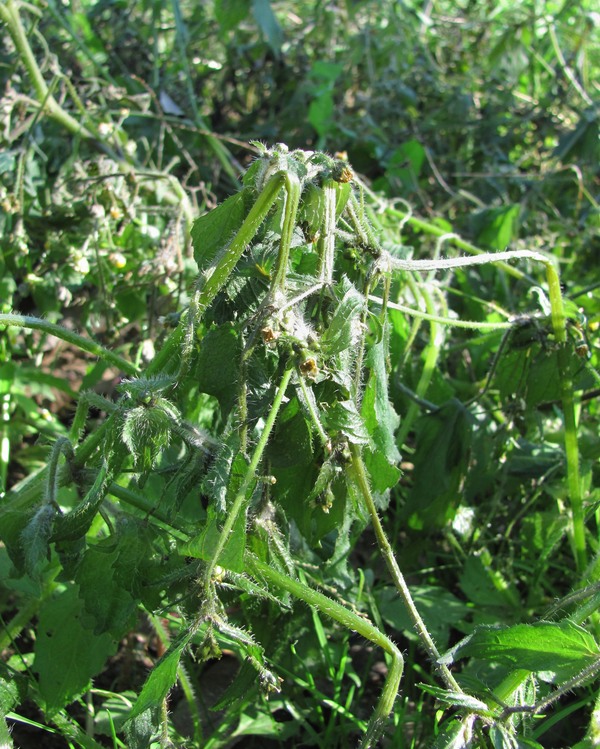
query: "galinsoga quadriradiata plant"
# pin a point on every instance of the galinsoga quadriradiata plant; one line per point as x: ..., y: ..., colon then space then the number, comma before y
x: 287, y: 330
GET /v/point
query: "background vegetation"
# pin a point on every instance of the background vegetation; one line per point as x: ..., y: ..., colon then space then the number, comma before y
x: 473, y: 126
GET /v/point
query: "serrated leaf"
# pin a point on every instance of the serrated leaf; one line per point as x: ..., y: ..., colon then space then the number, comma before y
x: 67, y: 654
x: 343, y: 417
x: 344, y: 329
x: 558, y: 650
x: 211, y: 232
x: 161, y: 678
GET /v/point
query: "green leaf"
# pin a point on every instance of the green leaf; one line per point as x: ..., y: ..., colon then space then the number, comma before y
x: 268, y: 24
x: 35, y: 540
x: 218, y: 365
x: 344, y: 329
x: 441, y: 465
x: 380, y: 420
x: 485, y: 587
x: 556, y: 651
x: 13, y: 690
x: 438, y: 607
x: 146, y: 431
x: 204, y: 545
x: 456, y: 699
x: 162, y: 677
x: 291, y: 443
x: 499, y: 226
x: 405, y: 164
x: 67, y: 655
x: 106, y: 601
x: 457, y: 735
x: 211, y: 232
x: 230, y: 13
x: 140, y: 730
x: 343, y: 417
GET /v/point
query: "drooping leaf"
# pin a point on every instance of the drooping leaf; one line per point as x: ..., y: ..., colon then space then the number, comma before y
x: 61, y: 631
x: 558, y: 651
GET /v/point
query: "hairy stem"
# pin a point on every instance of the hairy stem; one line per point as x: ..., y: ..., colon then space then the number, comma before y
x: 85, y: 344
x: 358, y: 475
x: 351, y: 621
x: 241, y: 497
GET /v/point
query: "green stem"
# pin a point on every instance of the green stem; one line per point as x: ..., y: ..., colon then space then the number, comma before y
x: 351, y: 621
x: 327, y: 241
x: 437, y: 231
x: 62, y: 446
x: 250, y: 475
x: 213, y: 280
x: 85, y: 344
x: 432, y: 353
x: 9, y: 13
x: 449, y: 321
x: 292, y: 201
x: 358, y: 475
x: 570, y: 422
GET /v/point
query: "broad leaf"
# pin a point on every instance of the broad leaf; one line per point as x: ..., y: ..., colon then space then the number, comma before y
x: 109, y: 605
x: 218, y: 365
x: 82, y: 653
x: 555, y: 651
x: 441, y: 464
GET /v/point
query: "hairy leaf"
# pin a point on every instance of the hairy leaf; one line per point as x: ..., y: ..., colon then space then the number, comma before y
x: 211, y: 232
x: 162, y: 677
